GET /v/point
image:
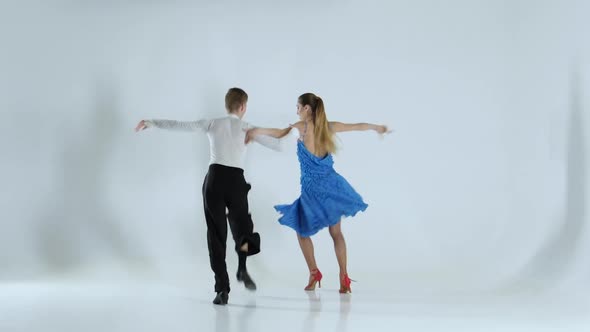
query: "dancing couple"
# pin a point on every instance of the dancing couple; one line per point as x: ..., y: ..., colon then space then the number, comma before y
x: 325, y: 197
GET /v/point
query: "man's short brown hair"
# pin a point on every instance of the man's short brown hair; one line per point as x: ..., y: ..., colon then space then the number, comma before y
x: 234, y: 98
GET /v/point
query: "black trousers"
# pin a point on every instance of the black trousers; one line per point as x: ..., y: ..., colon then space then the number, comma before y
x: 225, y: 187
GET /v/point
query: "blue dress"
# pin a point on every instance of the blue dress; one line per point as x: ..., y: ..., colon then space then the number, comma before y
x: 325, y: 198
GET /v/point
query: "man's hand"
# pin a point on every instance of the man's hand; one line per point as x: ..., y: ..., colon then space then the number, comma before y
x: 141, y: 126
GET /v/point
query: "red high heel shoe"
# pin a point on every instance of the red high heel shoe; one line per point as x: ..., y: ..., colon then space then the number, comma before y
x: 316, y: 278
x: 345, y: 284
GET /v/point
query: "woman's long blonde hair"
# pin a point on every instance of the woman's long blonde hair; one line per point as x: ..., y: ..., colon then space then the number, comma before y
x: 323, y: 136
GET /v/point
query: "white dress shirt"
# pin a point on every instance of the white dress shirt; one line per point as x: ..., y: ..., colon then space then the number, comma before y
x: 226, y: 137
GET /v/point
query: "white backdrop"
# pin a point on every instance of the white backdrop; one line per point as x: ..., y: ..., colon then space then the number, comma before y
x: 482, y: 184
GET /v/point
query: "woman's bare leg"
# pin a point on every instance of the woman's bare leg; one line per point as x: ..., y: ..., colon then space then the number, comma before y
x: 339, y: 248
x: 307, y: 249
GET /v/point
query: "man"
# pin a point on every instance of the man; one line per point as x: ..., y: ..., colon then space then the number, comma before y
x: 224, y: 187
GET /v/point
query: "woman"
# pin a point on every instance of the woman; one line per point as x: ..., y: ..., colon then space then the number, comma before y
x: 326, y: 196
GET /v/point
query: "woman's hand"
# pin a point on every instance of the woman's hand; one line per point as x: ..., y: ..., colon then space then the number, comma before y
x: 382, y: 129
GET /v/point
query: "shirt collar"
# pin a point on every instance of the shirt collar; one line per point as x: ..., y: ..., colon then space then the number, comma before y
x: 232, y: 115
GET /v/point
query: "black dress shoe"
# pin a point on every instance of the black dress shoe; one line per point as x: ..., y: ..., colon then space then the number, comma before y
x: 221, y: 298
x: 244, y: 277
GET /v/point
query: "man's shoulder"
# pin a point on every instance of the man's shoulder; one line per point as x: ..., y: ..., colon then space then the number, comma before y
x: 231, y: 121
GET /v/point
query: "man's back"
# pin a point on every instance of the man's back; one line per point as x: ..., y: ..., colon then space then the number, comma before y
x: 226, y: 138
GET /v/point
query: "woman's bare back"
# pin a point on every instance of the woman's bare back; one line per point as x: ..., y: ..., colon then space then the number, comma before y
x: 306, y: 136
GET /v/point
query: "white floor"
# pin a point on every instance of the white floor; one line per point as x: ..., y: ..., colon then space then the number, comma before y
x: 145, y: 307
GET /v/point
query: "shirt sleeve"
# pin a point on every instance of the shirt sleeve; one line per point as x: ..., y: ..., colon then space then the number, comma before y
x: 203, y: 124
